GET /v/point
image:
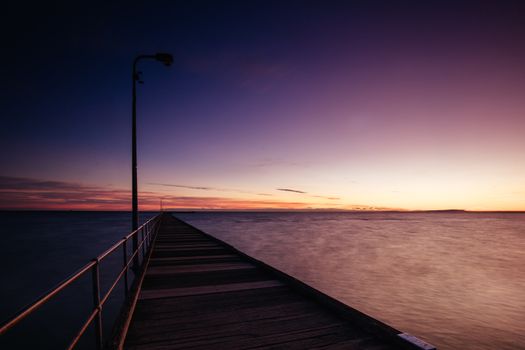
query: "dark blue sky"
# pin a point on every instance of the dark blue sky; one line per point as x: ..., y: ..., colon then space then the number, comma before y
x: 265, y: 95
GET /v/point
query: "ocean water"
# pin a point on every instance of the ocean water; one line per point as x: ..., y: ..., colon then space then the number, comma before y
x: 41, y: 249
x: 456, y: 280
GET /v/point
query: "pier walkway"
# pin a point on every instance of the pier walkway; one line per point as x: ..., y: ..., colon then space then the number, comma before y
x: 200, y: 293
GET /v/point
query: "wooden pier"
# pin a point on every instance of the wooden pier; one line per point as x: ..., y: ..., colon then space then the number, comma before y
x: 200, y: 293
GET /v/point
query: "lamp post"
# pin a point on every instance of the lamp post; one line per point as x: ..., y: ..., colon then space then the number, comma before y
x: 167, y: 59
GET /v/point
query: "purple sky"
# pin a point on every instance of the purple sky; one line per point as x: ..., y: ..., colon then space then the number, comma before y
x: 414, y: 105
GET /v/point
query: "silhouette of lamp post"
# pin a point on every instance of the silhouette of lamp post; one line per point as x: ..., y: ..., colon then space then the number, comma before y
x: 167, y: 59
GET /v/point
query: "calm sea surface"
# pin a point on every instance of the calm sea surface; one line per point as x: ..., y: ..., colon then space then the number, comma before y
x: 40, y: 249
x: 456, y: 280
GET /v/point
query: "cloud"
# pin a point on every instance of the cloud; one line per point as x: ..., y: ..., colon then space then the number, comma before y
x: 290, y: 190
x: 332, y: 198
x: 26, y: 193
x: 189, y: 187
x: 219, y: 189
x: 17, y: 183
x: 327, y: 197
x: 207, y: 188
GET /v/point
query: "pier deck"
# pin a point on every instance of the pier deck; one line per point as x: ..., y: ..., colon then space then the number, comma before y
x: 200, y: 293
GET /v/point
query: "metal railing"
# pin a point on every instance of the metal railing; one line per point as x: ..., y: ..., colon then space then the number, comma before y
x: 147, y: 232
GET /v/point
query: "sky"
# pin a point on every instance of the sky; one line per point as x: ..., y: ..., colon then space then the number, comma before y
x: 347, y: 105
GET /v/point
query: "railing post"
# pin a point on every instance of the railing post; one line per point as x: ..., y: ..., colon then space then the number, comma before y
x: 124, y: 263
x: 96, y: 303
x: 148, y: 232
x: 143, y: 247
x: 136, y: 263
x: 146, y: 241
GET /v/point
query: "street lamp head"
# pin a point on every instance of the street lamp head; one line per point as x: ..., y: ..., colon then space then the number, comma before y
x: 165, y: 58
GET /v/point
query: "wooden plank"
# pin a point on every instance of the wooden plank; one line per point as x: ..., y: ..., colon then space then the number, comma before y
x: 177, y: 292
x: 196, y: 257
x: 196, y: 279
x: 210, y: 318
x: 252, y: 323
x: 225, y: 302
x: 159, y: 253
x: 174, y: 269
x: 194, y: 260
x: 302, y: 339
x: 189, y: 248
x: 203, y: 259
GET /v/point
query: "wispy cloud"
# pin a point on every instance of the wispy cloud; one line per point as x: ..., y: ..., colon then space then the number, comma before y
x: 328, y: 197
x: 203, y: 188
x: 232, y: 190
x: 8, y: 183
x: 208, y: 188
x: 26, y: 193
x: 306, y: 193
x: 290, y: 190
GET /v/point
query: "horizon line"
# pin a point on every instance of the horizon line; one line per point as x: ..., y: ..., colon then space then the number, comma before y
x: 268, y: 210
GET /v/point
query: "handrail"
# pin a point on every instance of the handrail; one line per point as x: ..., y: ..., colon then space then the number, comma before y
x: 127, y: 321
x: 151, y: 227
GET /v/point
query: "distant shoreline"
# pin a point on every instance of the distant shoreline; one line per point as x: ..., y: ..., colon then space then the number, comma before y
x: 188, y: 211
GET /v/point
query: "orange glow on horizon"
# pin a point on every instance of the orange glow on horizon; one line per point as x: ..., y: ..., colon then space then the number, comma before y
x: 27, y: 194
